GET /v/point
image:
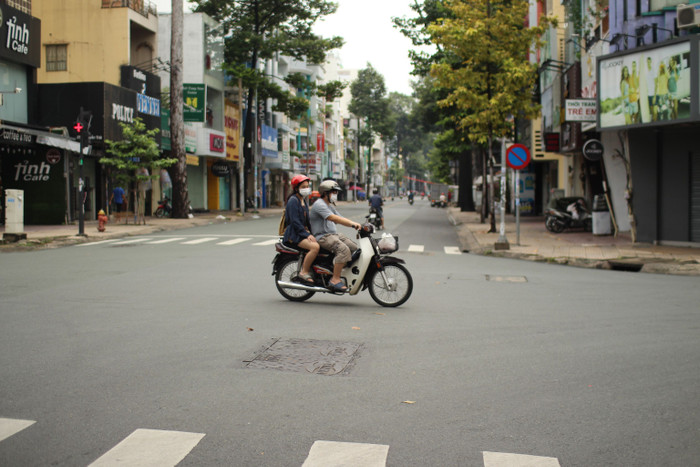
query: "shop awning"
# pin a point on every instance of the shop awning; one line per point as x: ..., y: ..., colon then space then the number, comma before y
x: 47, y: 138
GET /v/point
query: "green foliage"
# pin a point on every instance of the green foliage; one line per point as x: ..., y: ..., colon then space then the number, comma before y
x: 486, y: 72
x: 136, y: 150
x: 369, y: 102
x: 331, y: 90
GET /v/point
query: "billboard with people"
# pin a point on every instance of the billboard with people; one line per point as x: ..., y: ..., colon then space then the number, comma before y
x: 648, y: 86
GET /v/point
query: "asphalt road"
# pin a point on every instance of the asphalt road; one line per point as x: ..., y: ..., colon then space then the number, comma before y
x: 585, y: 366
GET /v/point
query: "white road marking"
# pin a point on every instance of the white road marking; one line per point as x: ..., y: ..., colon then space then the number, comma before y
x: 101, y: 242
x: 452, y: 250
x: 334, y: 453
x: 133, y: 240
x: 234, y: 241
x: 502, y: 459
x: 416, y: 248
x: 150, y: 448
x: 10, y: 426
x: 267, y: 242
x: 165, y: 240
x: 200, y: 240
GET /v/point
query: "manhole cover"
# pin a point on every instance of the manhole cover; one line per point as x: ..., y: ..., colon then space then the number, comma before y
x: 306, y: 356
x: 506, y: 278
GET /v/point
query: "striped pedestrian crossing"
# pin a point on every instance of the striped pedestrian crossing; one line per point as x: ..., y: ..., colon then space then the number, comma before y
x: 159, y: 447
x: 226, y: 240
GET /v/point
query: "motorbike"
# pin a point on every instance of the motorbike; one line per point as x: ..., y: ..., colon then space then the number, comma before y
x: 374, y: 219
x: 410, y: 200
x: 387, y: 279
x: 567, y: 213
x: 164, y: 209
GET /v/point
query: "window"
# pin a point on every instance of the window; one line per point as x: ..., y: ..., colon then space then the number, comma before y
x: 57, y: 57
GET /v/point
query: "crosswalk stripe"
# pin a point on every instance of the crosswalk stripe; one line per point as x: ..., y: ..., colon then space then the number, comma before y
x: 502, y: 459
x: 10, y: 426
x: 165, y: 240
x: 101, y: 242
x: 234, y: 241
x: 199, y: 240
x: 334, y: 453
x: 154, y: 448
x: 133, y: 240
x: 452, y: 250
x: 416, y: 248
x: 267, y: 242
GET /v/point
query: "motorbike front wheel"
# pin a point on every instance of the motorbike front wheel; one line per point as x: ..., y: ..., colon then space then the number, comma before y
x: 160, y: 212
x: 285, y: 273
x: 397, y: 288
x: 554, y: 225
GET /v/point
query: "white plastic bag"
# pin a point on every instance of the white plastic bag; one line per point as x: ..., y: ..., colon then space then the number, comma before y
x: 388, y: 243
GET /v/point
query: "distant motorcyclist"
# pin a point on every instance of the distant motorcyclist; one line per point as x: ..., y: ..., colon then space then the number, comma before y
x: 324, y: 217
x: 377, y: 202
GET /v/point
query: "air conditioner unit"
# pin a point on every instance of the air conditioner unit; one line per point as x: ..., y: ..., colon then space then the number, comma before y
x: 688, y: 16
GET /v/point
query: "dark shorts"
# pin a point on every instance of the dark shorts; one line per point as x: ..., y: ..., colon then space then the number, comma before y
x: 119, y: 207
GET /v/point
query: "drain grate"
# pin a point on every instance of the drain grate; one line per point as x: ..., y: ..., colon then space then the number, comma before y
x: 318, y: 357
x: 506, y: 278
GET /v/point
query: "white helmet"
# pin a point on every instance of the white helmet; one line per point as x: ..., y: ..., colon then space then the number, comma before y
x: 328, y: 185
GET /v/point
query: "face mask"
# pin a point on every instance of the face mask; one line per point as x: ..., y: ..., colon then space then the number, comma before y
x: 334, y: 197
x: 305, y: 192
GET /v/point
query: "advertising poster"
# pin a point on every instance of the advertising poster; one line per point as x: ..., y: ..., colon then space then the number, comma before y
x: 233, y: 133
x: 647, y: 87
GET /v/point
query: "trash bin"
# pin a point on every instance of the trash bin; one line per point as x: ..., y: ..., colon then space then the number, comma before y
x: 601, y: 216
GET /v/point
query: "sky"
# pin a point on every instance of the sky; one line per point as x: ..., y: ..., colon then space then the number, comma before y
x: 369, y: 37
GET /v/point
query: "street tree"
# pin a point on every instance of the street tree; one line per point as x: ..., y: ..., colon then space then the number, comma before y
x: 370, y: 104
x: 451, y: 143
x: 487, y: 69
x: 258, y: 29
x: 135, y: 159
x: 177, y: 119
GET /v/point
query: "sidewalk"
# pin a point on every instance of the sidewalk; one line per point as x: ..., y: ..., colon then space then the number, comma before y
x: 573, y: 247
x: 48, y: 236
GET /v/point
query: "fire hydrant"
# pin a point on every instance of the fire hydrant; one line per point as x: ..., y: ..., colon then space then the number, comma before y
x: 101, y: 220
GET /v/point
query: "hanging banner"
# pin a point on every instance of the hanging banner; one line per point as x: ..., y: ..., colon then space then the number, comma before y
x: 233, y: 132
x: 193, y: 95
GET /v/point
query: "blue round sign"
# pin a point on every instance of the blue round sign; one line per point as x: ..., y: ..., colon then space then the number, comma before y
x: 517, y: 156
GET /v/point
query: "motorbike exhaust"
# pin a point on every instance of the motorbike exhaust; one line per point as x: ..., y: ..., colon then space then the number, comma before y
x: 296, y: 285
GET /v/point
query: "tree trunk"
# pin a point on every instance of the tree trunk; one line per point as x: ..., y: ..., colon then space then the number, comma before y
x: 177, y: 123
x: 466, y: 199
x: 484, y: 186
x: 492, y: 197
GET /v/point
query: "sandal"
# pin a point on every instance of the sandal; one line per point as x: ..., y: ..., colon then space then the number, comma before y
x: 338, y: 287
x: 306, y: 278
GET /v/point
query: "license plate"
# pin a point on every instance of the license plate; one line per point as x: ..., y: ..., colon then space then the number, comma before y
x: 372, y: 216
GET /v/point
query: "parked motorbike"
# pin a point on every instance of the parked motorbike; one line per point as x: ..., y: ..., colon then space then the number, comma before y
x: 374, y: 219
x: 388, y: 280
x: 567, y: 213
x: 164, y: 209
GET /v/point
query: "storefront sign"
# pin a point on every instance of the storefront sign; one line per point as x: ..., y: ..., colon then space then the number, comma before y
x: 232, y: 128
x: 593, y: 150
x: 269, y: 141
x: 220, y: 169
x: 217, y: 143
x: 20, y: 36
x: 580, y: 110
x: 193, y: 98
x: 16, y: 137
x: 148, y: 105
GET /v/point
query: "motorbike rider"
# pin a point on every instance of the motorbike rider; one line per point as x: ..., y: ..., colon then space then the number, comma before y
x: 410, y: 196
x: 324, y: 217
x: 377, y: 202
x: 298, y: 226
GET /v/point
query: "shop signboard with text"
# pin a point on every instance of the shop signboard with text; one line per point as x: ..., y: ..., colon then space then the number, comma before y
x: 20, y: 37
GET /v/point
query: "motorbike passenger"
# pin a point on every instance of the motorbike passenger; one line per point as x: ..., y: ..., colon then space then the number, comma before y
x: 324, y: 217
x: 298, y: 225
x: 377, y: 202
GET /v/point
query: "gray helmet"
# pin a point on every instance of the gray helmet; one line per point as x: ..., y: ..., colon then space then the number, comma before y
x: 328, y: 185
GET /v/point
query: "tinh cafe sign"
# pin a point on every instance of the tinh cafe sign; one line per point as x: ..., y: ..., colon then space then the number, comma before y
x: 581, y: 110
x: 20, y: 36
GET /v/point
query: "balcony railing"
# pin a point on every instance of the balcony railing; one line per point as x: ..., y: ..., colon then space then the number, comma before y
x: 140, y: 6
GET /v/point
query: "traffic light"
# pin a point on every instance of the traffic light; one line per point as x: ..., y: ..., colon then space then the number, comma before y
x: 82, y: 127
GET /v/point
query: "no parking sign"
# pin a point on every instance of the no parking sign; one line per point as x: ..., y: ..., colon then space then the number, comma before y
x: 517, y: 156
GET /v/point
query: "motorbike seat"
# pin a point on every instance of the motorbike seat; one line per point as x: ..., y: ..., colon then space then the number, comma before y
x: 295, y: 248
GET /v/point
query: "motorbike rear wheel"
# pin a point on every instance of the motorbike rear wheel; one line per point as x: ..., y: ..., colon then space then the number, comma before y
x: 285, y: 273
x: 398, y: 289
x: 554, y: 225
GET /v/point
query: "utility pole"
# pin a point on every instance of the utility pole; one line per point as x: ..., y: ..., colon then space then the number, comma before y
x: 177, y: 122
